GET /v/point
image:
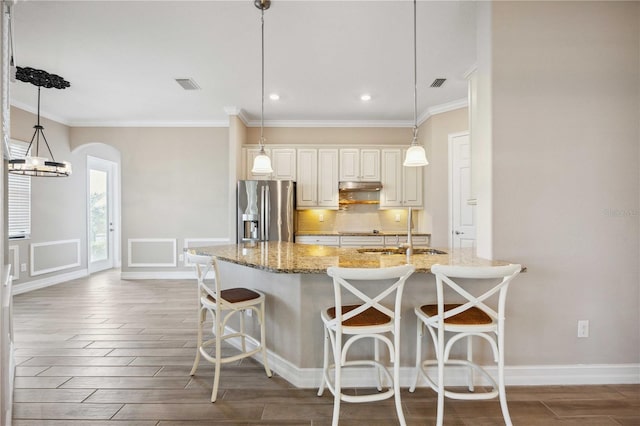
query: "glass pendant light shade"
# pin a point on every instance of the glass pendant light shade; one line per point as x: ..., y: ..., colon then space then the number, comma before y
x: 415, y: 157
x: 262, y: 163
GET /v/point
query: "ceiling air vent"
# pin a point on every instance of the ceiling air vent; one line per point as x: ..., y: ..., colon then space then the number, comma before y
x: 187, y: 84
x: 438, y: 82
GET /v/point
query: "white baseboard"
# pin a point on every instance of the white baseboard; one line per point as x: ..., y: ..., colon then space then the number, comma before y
x: 49, y: 281
x: 528, y: 375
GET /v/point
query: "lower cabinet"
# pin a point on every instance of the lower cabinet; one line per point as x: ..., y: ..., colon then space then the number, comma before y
x: 322, y: 240
x: 363, y: 240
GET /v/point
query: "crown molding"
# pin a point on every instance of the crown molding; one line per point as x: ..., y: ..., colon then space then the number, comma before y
x: 242, y: 115
x: 442, y: 108
x: 212, y: 123
x: 332, y: 123
x: 44, y: 114
x: 239, y: 112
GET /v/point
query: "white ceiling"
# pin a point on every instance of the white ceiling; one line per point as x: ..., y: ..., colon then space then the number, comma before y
x: 121, y: 58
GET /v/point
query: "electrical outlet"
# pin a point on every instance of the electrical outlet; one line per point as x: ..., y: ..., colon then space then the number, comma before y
x: 321, y: 217
x: 23, y: 267
x: 583, y: 328
x: 397, y: 217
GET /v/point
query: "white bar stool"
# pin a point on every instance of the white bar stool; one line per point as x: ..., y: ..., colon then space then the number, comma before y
x: 366, y: 319
x: 222, y: 305
x: 470, y: 318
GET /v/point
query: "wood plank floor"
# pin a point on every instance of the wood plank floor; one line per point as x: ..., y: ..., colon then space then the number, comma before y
x: 100, y: 351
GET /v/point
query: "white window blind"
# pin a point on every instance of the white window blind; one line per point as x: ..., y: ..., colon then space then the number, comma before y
x: 19, y: 196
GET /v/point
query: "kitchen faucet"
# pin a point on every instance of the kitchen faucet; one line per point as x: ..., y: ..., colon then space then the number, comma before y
x: 409, y: 237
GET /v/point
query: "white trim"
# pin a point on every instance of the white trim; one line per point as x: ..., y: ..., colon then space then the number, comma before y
x: 130, y: 263
x: 527, y: 375
x: 44, y: 114
x: 49, y: 281
x: 332, y: 123
x: 55, y: 268
x: 241, y: 114
x: 440, y: 109
x: 203, y: 124
x: 470, y: 71
x: 15, y: 262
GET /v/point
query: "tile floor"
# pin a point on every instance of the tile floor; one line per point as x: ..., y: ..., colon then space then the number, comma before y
x: 101, y: 351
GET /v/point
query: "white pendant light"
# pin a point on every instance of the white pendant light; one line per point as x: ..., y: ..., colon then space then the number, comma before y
x: 415, y: 157
x: 262, y: 162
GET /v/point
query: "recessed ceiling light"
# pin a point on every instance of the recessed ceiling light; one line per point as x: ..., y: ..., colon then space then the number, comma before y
x: 365, y: 97
x: 274, y: 96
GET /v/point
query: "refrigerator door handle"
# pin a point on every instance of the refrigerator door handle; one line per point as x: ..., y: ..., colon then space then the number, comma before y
x: 267, y: 212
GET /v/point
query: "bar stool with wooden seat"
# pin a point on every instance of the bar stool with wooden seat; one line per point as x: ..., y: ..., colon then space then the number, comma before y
x: 223, y: 305
x: 368, y: 318
x: 471, y: 318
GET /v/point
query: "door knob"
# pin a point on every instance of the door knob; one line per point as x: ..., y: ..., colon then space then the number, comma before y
x: 459, y: 233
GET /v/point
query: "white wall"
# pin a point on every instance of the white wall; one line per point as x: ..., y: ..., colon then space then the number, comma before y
x: 565, y: 95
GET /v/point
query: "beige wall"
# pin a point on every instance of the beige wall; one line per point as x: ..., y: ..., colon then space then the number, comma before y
x: 58, y: 205
x: 566, y: 177
x: 174, y: 181
x: 332, y: 135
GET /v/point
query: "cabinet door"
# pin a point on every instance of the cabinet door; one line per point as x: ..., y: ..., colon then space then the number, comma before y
x: 349, y: 164
x: 307, y: 182
x: 412, y: 185
x: 283, y: 162
x: 251, y: 154
x: 370, y: 164
x: 328, y: 178
x: 391, y: 177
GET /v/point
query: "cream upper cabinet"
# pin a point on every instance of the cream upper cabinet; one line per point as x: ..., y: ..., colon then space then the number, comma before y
x: 307, y: 179
x: 391, y: 177
x: 317, y: 182
x: 412, y: 178
x: 359, y: 164
x: 401, y: 186
x: 251, y: 154
x: 283, y: 162
x: 328, y: 178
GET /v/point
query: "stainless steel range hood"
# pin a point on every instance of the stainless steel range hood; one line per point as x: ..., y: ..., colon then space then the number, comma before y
x: 352, y: 186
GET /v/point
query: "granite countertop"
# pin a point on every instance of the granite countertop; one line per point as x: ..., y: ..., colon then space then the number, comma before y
x: 291, y: 258
x: 359, y: 234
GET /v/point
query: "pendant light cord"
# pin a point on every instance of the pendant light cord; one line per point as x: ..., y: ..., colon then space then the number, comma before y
x: 415, y: 79
x: 262, y: 108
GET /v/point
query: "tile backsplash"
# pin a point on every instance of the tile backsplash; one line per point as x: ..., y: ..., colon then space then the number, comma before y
x: 357, y: 218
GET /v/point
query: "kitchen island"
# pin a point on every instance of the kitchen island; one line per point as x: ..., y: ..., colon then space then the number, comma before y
x: 293, y: 278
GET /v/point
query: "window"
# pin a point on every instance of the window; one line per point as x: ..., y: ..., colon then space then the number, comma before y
x: 19, y: 196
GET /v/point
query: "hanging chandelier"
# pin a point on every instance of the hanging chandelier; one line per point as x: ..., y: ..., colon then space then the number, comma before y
x: 415, y: 156
x: 35, y: 165
x: 262, y: 162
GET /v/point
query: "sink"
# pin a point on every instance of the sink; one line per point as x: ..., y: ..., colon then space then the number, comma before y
x: 388, y: 251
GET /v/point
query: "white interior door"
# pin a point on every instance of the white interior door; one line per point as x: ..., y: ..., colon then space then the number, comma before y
x: 101, y: 214
x: 463, y: 212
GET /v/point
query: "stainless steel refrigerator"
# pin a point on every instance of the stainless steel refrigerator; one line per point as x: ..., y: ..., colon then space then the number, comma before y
x: 266, y: 210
